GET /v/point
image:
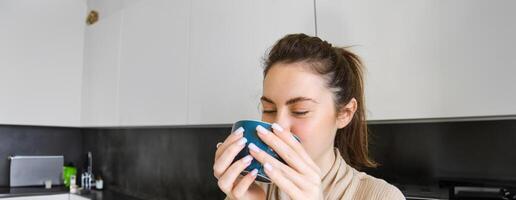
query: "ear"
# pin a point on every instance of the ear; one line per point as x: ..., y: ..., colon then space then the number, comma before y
x: 345, y: 113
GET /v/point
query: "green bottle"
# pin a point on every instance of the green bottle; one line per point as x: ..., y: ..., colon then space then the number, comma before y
x: 67, y: 172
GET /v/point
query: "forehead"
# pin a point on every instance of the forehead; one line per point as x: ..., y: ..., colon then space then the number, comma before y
x: 285, y: 81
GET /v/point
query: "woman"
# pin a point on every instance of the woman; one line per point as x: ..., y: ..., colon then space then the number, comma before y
x: 315, y: 91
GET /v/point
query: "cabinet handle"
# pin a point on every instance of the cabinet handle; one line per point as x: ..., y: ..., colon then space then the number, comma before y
x: 92, y: 18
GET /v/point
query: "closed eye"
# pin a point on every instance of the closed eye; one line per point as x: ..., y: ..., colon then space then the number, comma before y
x: 269, y: 111
x: 295, y: 113
x: 301, y: 113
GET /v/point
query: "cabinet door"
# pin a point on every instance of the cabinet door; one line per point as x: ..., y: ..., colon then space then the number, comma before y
x: 41, y: 49
x: 101, y: 65
x: 154, y: 63
x: 429, y: 59
x: 228, y: 40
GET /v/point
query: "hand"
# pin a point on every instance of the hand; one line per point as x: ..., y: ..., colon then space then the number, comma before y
x: 229, y: 181
x: 301, y: 178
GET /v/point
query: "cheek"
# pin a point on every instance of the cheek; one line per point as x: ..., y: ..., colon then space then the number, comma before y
x: 304, y: 129
x: 316, y: 129
x: 309, y: 130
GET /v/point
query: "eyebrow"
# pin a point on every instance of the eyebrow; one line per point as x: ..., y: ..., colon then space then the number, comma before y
x: 290, y: 101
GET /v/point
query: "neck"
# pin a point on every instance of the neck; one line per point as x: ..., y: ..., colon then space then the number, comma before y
x: 325, y: 161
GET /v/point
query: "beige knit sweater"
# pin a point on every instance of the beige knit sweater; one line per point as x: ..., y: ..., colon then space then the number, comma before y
x: 344, y: 182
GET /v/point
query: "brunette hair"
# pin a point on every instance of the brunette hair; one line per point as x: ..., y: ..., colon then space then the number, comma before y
x: 343, y: 72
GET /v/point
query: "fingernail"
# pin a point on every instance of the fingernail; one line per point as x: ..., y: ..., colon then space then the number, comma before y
x: 242, y: 141
x: 239, y: 131
x: 296, y: 138
x: 253, y: 147
x: 247, y: 159
x: 260, y: 129
x: 254, y: 172
x: 277, y: 127
x: 267, y: 166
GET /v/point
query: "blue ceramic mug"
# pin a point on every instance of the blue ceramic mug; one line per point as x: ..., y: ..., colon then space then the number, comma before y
x: 250, y: 134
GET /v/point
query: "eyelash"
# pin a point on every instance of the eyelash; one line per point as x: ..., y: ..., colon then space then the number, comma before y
x: 296, y: 113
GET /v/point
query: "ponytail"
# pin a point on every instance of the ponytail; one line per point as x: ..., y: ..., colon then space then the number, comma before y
x: 352, y: 140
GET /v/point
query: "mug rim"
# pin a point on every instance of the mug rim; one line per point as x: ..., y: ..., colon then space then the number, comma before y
x: 249, y: 120
x: 253, y: 120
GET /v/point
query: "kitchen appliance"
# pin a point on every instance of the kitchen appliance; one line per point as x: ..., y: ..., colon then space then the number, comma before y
x: 35, y: 170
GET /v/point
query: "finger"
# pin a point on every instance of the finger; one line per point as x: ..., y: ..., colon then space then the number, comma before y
x: 227, y: 157
x: 291, y: 141
x: 237, y: 134
x: 227, y: 180
x: 244, y: 183
x: 293, y: 175
x: 290, y: 156
x: 281, y: 181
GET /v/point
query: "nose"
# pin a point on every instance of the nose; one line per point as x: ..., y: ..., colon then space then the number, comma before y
x: 283, y: 119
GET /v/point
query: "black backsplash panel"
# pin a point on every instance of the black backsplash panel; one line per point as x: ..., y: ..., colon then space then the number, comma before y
x: 35, y: 140
x: 176, y: 163
x: 425, y: 153
x: 157, y: 163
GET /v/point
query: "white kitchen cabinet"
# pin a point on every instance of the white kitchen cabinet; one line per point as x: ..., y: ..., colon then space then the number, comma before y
x: 153, y: 63
x: 182, y: 62
x: 228, y: 40
x: 41, y: 58
x: 42, y: 197
x: 429, y: 59
x: 101, y: 65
